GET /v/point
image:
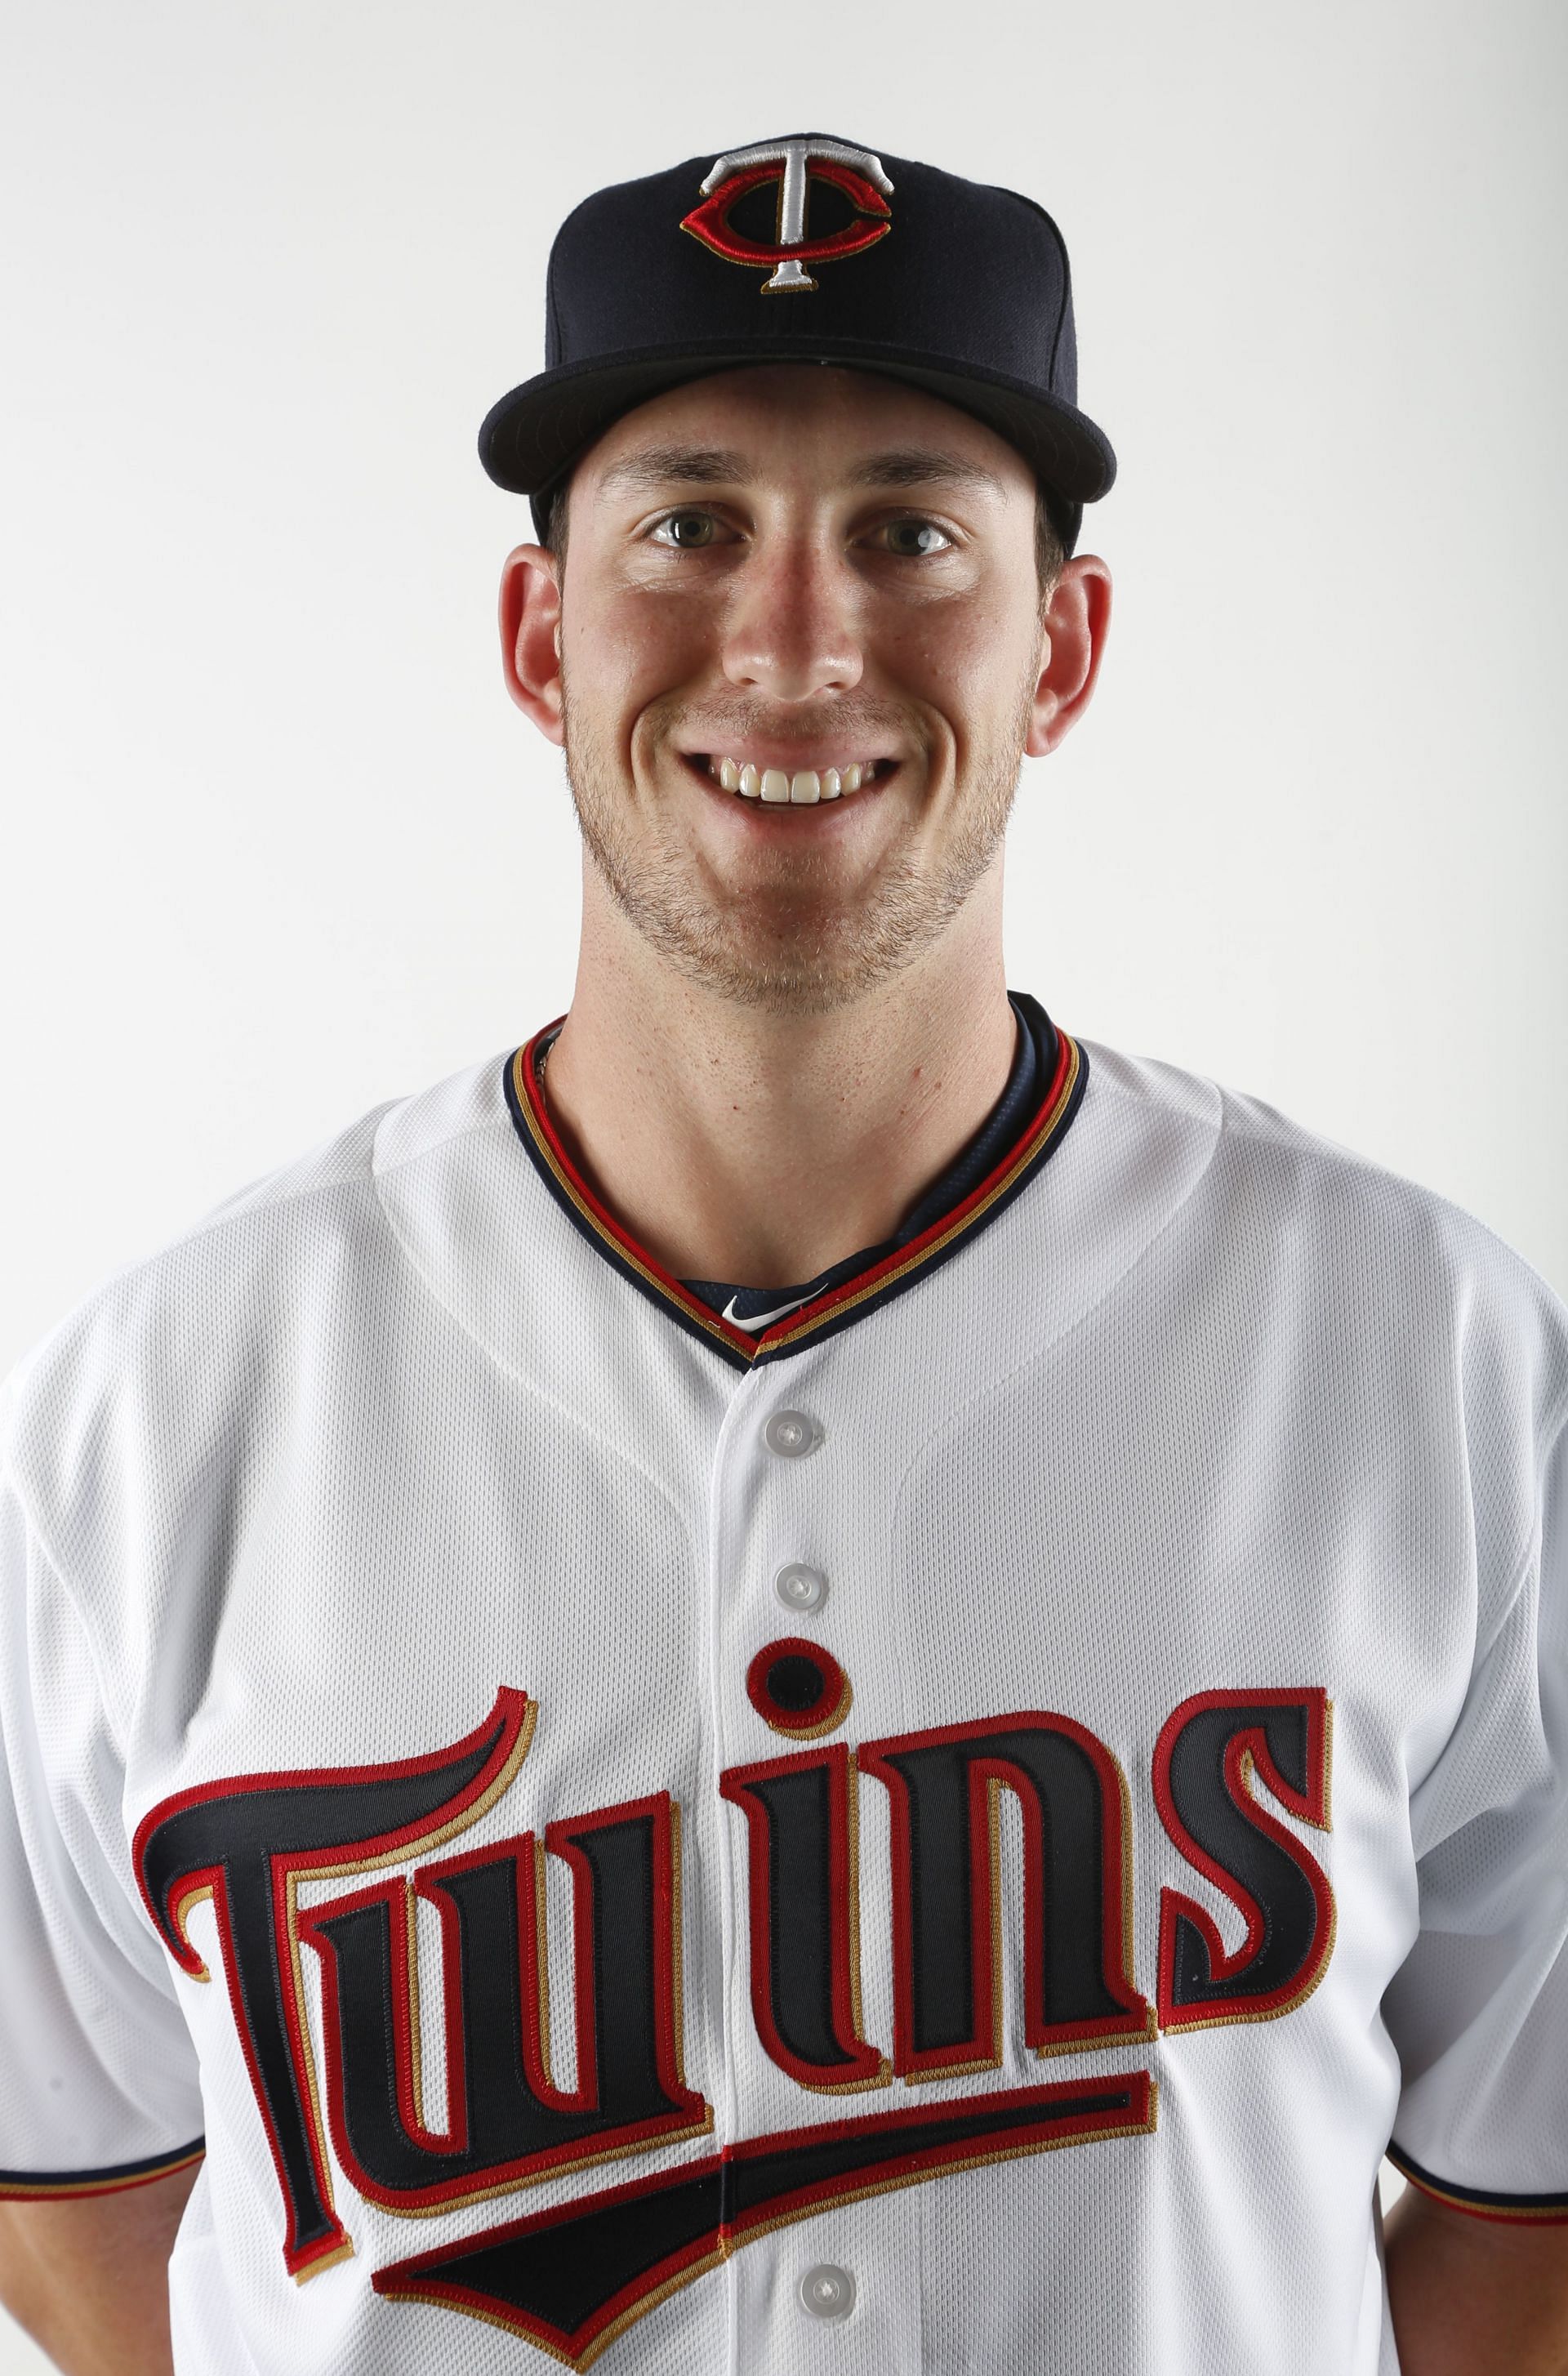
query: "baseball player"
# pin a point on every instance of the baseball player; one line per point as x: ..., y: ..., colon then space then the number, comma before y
x: 808, y: 1677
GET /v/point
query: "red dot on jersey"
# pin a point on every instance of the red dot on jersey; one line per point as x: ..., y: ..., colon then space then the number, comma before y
x: 798, y: 1688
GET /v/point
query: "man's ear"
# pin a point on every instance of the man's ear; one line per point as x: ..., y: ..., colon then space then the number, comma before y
x: 1077, y: 618
x: 531, y: 636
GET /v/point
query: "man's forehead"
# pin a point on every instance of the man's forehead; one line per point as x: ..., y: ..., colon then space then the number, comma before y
x: 850, y: 428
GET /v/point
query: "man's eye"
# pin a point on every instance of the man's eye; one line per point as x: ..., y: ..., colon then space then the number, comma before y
x: 913, y: 538
x: 685, y: 529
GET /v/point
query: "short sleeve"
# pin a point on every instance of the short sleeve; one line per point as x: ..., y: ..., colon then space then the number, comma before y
x: 1479, y: 2012
x: 98, y: 2085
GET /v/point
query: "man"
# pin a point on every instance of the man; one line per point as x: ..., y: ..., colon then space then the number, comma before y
x: 728, y: 1638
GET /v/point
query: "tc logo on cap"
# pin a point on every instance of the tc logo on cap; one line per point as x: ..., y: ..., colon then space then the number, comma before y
x: 792, y: 164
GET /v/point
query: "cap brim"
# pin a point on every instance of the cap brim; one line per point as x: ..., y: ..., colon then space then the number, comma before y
x: 539, y: 430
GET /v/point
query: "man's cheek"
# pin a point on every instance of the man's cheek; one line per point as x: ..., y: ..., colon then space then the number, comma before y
x: 635, y: 650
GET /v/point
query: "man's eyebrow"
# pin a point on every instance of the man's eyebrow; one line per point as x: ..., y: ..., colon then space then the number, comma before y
x: 922, y: 466
x: 659, y: 467
x: 664, y: 466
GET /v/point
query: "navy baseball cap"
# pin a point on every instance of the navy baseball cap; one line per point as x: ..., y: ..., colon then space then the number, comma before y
x: 808, y: 249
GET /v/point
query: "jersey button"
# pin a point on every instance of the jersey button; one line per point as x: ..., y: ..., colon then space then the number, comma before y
x: 790, y: 1433
x: 799, y: 1587
x: 829, y: 2292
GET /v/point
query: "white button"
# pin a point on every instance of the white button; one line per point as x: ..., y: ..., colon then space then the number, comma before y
x: 788, y: 1433
x: 829, y: 2292
x: 799, y: 1587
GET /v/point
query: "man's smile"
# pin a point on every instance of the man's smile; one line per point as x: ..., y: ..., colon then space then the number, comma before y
x: 776, y: 779
x: 802, y: 788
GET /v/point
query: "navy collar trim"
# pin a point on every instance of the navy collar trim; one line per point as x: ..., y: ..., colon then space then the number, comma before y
x: 852, y: 1299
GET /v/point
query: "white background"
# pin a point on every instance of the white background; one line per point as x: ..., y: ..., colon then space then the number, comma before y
x: 276, y: 845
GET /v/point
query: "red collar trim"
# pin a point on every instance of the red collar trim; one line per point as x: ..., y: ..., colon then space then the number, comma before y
x: 842, y: 1302
x: 1055, y: 1108
x: 528, y: 1102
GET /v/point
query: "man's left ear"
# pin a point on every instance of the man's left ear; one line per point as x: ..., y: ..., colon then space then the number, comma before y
x: 1077, y: 619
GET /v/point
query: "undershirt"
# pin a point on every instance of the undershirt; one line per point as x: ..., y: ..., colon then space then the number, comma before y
x: 1034, y: 1064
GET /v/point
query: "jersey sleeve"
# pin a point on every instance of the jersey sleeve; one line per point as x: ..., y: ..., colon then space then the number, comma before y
x: 1479, y: 2012
x: 98, y: 2084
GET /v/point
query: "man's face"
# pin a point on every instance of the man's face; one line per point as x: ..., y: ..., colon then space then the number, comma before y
x: 778, y: 581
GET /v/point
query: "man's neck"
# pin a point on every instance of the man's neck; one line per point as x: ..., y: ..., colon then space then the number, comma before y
x: 760, y: 1147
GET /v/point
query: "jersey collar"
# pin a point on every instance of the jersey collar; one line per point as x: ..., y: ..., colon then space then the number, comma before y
x: 851, y: 1299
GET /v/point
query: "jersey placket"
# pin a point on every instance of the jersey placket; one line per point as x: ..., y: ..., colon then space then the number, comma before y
x: 801, y: 1661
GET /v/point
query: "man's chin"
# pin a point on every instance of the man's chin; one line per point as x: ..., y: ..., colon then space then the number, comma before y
x: 789, y: 947
x: 816, y: 974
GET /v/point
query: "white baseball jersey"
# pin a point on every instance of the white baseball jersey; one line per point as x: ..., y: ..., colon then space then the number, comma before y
x: 946, y: 1837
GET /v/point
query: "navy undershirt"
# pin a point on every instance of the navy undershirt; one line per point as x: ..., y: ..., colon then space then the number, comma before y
x: 1034, y: 1065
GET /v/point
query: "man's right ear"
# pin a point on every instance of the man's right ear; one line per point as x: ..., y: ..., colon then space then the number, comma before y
x: 531, y: 636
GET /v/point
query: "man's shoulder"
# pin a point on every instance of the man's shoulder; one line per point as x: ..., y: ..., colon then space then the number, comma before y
x: 1264, y: 1180
x: 223, y: 1298
x: 341, y: 1170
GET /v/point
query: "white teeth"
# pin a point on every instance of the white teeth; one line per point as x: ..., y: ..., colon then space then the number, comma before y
x: 803, y: 789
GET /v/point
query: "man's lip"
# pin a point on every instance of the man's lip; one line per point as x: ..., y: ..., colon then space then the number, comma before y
x: 792, y: 758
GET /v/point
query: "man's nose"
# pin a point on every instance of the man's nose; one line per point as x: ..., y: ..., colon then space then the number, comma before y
x: 791, y: 630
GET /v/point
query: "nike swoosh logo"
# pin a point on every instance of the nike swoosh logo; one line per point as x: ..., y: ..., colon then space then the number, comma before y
x: 572, y: 2279
x: 761, y: 1319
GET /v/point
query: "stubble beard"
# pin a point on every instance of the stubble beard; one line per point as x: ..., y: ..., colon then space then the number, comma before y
x: 788, y: 946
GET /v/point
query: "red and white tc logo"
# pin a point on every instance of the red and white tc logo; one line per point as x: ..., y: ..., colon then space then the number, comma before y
x: 793, y: 165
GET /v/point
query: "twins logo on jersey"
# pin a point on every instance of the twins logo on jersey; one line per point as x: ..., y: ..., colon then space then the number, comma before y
x: 570, y: 2280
